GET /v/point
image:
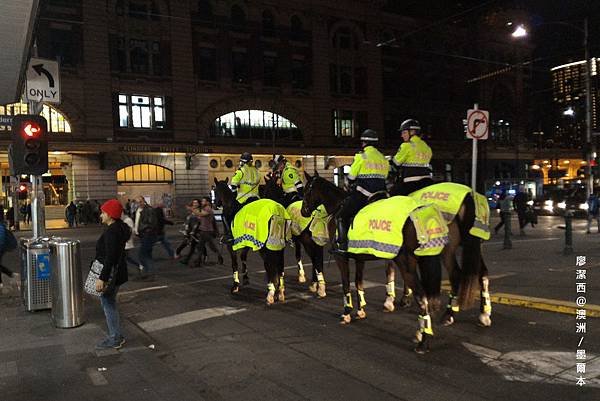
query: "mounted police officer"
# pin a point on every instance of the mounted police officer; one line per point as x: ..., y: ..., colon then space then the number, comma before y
x: 413, y: 159
x: 245, y: 181
x: 367, y: 176
x: 289, y: 179
x: 244, y: 185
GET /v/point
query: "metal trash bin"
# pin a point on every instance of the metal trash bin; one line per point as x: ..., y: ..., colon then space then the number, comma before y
x: 66, y: 283
x: 35, y: 273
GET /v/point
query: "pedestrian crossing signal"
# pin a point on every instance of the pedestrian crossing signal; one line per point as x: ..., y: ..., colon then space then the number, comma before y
x: 29, y: 151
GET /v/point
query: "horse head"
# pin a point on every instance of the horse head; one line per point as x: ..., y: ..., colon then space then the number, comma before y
x: 311, y: 195
x: 223, y: 194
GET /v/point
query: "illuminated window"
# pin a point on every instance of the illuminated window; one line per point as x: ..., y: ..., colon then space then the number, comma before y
x: 255, y: 124
x: 56, y: 120
x: 145, y: 112
x: 144, y: 173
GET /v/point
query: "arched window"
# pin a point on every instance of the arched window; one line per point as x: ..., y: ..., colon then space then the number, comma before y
x: 139, y: 173
x: 297, y: 30
x: 255, y: 124
x: 56, y: 120
x: 268, y: 23
x: 238, y: 17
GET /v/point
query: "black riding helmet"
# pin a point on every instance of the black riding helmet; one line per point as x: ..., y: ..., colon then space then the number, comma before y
x: 410, y: 124
x: 246, y: 157
x: 369, y: 135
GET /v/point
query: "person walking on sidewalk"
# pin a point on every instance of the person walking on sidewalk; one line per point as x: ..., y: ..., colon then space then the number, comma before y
x: 504, y: 206
x: 593, y: 212
x: 110, y: 251
x: 189, y: 227
x: 129, y: 245
x: 146, y: 227
x: 206, y: 230
x: 7, y: 243
x: 162, y: 222
x: 520, y: 205
x: 70, y: 212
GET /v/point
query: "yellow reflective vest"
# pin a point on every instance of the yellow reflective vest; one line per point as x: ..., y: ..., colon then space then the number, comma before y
x: 413, y: 158
x: 370, y: 170
x: 245, y: 183
x: 290, y: 179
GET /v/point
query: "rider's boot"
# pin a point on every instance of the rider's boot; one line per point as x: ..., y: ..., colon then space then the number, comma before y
x: 341, y: 243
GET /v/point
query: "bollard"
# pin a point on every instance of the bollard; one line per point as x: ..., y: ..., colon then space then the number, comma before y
x: 507, y: 230
x: 568, y: 233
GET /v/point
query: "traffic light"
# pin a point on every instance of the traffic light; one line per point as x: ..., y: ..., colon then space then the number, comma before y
x: 29, y: 150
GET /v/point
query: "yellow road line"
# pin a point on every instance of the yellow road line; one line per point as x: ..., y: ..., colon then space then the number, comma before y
x: 550, y: 305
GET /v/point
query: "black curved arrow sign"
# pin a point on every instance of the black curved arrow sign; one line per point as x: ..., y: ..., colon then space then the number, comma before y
x: 39, y: 68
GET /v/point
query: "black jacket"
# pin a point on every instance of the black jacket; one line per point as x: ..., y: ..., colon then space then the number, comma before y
x: 110, y: 251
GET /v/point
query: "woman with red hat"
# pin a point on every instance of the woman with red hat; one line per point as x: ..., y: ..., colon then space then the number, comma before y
x: 110, y: 251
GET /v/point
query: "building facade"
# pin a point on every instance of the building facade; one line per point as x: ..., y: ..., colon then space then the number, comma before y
x: 160, y: 97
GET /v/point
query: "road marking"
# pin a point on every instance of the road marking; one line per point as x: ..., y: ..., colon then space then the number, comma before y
x: 160, y: 287
x: 551, y: 305
x: 446, y: 283
x: 96, y: 377
x: 187, y: 318
x: 522, y: 240
x: 8, y: 369
x: 554, y: 367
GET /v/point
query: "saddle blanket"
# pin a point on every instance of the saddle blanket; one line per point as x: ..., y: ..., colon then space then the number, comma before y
x: 261, y: 223
x: 317, y: 223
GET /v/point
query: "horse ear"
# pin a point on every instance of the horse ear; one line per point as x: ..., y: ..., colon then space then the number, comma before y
x: 226, y: 180
x: 308, y: 177
x: 216, y: 181
x: 317, y: 173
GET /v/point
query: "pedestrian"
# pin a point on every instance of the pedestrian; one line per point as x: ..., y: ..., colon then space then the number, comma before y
x: 146, y: 227
x: 10, y: 216
x: 189, y: 227
x: 129, y: 246
x: 503, y: 205
x: 593, y: 212
x: 520, y: 205
x: 162, y: 222
x: 206, y: 230
x: 7, y: 243
x: 96, y: 212
x: 70, y: 213
x: 28, y: 212
x: 110, y: 251
x: 128, y: 208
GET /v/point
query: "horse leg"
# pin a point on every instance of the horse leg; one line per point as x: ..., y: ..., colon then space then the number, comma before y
x: 271, y: 271
x: 485, y: 318
x: 360, y: 289
x: 298, y: 251
x: 235, y: 287
x: 453, y: 269
x: 407, y: 294
x: 343, y: 265
x: 390, y: 272
x: 317, y: 260
x: 244, y: 258
x: 278, y: 257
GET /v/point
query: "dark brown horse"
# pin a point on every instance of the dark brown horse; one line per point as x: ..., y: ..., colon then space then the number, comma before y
x: 464, y: 278
x: 273, y: 260
x: 426, y: 289
x: 315, y: 252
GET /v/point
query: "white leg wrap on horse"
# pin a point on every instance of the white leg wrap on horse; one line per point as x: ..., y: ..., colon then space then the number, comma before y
x: 390, y: 288
x: 320, y: 278
x: 236, y: 277
x: 361, y: 299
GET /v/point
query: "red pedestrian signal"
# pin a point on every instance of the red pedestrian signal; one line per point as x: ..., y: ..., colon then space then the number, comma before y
x: 29, y: 150
x: 22, y: 188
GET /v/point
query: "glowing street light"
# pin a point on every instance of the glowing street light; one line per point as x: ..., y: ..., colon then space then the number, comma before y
x: 519, y: 32
x: 569, y: 112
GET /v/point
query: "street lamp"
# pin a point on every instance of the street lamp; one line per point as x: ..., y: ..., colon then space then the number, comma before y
x: 520, y: 32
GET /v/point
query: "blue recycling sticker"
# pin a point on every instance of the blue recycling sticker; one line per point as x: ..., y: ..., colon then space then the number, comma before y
x: 43, y: 266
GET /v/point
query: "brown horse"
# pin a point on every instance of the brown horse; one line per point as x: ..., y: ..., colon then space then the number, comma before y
x: 273, y: 260
x: 315, y: 252
x: 463, y: 279
x: 426, y: 289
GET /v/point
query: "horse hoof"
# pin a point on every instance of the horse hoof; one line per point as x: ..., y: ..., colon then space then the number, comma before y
x: 361, y: 314
x: 388, y: 305
x: 235, y: 288
x: 418, y: 337
x: 312, y: 287
x: 448, y: 320
x: 321, y: 293
x: 422, y: 348
x: 485, y: 319
x: 281, y: 296
x: 301, y: 277
x: 405, y: 301
x: 270, y: 298
x: 346, y: 319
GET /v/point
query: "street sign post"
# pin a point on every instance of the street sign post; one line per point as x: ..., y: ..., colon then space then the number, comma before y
x: 478, y: 125
x: 43, y: 81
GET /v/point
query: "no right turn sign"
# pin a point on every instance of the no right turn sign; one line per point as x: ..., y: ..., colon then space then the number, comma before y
x: 478, y: 124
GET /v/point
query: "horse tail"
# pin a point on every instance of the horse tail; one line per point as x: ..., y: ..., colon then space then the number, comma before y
x: 430, y: 269
x: 471, y: 255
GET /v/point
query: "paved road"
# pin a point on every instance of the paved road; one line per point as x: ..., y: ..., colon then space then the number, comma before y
x: 207, y: 344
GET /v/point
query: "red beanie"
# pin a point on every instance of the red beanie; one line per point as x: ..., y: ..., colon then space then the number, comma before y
x: 113, y: 208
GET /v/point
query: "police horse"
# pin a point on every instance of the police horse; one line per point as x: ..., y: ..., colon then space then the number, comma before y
x: 473, y: 271
x: 313, y: 246
x: 426, y: 286
x: 273, y: 259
